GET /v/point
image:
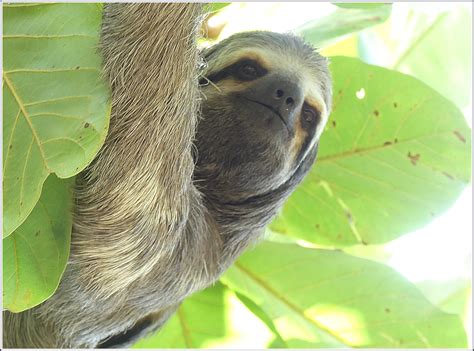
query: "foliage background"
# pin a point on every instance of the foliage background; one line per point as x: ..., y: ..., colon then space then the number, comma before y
x: 322, y: 277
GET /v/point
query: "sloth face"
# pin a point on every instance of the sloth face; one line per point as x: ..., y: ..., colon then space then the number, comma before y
x: 265, y: 99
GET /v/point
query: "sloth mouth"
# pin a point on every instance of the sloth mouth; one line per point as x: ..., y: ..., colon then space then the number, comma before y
x: 272, y: 110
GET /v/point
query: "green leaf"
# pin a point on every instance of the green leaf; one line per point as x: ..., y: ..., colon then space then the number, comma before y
x: 451, y: 296
x: 395, y: 154
x: 322, y: 31
x: 54, y: 103
x: 443, y: 67
x: 322, y: 298
x: 36, y: 253
x: 208, y: 319
x: 278, y: 342
x: 216, y: 6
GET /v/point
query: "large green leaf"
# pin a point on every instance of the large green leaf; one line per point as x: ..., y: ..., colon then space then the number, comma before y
x: 395, y: 154
x: 35, y: 254
x: 54, y: 103
x: 208, y: 319
x: 323, y: 31
x: 315, y: 295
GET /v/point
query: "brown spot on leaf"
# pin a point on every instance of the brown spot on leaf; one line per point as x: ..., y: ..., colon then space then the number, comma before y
x: 376, y: 113
x: 460, y: 136
x: 387, y: 310
x: 334, y: 124
x: 363, y: 242
x: 10, y: 146
x: 86, y: 125
x: 395, y: 141
x: 77, y: 67
x: 317, y: 226
x: 340, y: 92
x: 413, y: 158
x: 339, y: 236
x: 448, y: 175
x: 387, y: 143
x: 395, y: 105
x: 38, y: 233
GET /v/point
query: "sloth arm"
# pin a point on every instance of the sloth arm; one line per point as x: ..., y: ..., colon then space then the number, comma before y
x: 133, y: 201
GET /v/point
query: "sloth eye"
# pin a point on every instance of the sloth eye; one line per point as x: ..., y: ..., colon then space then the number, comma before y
x: 249, y: 70
x: 309, y: 116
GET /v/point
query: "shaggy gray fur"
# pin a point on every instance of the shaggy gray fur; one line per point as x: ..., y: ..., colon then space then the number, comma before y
x: 150, y: 228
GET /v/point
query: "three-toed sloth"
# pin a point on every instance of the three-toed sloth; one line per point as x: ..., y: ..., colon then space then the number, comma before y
x: 198, y: 159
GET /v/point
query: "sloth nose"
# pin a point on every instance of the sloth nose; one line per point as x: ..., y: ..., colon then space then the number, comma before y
x: 285, y: 102
x: 281, y: 94
x: 285, y: 97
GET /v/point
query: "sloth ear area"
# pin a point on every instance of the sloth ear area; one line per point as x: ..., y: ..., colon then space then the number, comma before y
x: 207, y: 53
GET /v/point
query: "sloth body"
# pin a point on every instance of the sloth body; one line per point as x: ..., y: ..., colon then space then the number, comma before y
x: 157, y: 218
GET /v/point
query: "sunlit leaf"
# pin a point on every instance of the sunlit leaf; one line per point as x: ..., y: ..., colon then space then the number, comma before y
x: 395, y: 154
x: 314, y: 295
x: 35, y: 254
x: 451, y: 296
x: 322, y: 31
x: 54, y: 103
x: 427, y: 51
x: 211, y: 318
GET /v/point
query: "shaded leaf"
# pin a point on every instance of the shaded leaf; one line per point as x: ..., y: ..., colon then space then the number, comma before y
x: 36, y: 253
x: 395, y: 154
x: 211, y: 318
x: 54, y: 102
x: 322, y: 31
x: 312, y: 295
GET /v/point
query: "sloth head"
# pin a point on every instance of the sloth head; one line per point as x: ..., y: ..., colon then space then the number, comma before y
x: 265, y: 101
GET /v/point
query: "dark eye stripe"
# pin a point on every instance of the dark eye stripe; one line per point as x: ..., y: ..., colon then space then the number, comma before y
x: 232, y: 70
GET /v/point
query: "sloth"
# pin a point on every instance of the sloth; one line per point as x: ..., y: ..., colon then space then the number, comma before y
x: 202, y: 151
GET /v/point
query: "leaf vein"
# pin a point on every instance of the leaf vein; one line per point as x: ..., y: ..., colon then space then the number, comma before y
x: 25, y: 114
x: 10, y: 140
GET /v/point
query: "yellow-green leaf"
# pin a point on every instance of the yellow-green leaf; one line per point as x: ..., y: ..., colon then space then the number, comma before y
x: 213, y: 318
x: 323, y: 298
x: 55, y: 105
